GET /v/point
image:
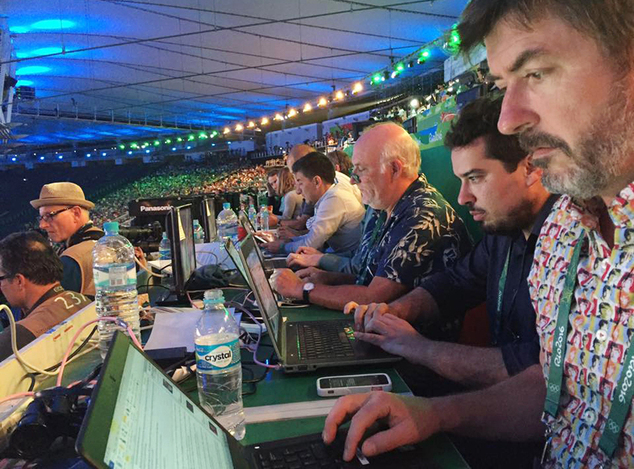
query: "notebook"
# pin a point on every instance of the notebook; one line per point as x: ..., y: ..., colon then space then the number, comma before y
x: 122, y: 428
x: 306, y: 345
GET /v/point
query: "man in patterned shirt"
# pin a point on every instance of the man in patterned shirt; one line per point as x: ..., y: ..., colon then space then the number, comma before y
x: 566, y: 67
x: 413, y: 233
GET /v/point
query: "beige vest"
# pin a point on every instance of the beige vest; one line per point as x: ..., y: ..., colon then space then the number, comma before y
x: 82, y: 254
x: 53, y: 311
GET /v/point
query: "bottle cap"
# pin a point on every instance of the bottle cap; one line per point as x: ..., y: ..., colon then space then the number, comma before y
x: 164, y: 234
x: 214, y: 296
x: 111, y: 227
x: 226, y: 205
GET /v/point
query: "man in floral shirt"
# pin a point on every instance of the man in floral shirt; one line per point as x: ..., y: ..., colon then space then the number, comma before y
x: 414, y: 232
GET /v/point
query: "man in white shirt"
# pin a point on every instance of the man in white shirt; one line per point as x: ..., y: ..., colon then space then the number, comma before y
x: 338, y: 213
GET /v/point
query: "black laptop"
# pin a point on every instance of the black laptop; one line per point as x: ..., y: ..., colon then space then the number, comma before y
x: 124, y: 428
x: 306, y: 345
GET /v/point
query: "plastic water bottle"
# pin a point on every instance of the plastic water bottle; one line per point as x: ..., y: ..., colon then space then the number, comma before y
x: 264, y: 218
x: 199, y: 233
x: 253, y: 216
x: 165, y: 249
x: 115, y: 282
x: 227, y: 223
x: 218, y: 369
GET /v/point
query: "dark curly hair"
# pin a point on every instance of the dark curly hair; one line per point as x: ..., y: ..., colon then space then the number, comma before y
x: 478, y: 119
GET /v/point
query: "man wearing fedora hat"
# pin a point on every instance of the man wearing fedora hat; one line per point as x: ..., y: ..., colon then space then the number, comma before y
x: 64, y: 215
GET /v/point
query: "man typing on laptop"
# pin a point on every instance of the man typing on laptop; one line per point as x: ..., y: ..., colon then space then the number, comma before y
x: 413, y: 232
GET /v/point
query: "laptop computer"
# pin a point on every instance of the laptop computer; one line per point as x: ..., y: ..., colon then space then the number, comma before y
x: 122, y: 428
x: 270, y: 262
x: 306, y: 345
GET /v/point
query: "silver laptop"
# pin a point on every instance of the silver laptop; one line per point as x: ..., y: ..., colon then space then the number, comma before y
x: 306, y: 345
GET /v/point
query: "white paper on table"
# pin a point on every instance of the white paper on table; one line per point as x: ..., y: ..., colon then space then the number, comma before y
x: 175, y: 327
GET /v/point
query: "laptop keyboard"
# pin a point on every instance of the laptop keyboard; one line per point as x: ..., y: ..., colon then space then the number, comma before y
x: 310, y: 452
x: 324, y: 340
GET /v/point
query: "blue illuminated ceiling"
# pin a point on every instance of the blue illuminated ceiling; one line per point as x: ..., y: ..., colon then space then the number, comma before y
x: 186, y: 62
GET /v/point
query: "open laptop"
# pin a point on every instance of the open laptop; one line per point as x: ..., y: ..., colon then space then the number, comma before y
x: 122, y: 428
x: 270, y: 262
x: 306, y: 345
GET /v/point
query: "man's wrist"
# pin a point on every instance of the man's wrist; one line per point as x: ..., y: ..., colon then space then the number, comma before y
x: 446, y: 410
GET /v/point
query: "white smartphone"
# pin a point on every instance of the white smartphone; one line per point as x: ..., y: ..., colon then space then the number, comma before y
x: 330, y: 386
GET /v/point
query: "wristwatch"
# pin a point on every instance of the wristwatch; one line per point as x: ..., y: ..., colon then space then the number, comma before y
x: 308, y: 287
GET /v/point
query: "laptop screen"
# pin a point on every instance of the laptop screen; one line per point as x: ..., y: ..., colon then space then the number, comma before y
x: 125, y: 429
x: 262, y: 287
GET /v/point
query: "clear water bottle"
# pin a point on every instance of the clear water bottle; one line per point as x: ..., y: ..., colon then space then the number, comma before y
x: 115, y: 282
x: 253, y: 216
x: 227, y: 223
x: 165, y: 249
x: 264, y: 218
x: 199, y: 233
x: 218, y: 369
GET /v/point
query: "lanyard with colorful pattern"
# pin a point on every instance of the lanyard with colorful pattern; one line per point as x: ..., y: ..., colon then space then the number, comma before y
x: 625, y: 388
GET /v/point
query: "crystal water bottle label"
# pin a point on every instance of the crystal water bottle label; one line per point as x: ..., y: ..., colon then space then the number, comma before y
x: 119, y: 275
x: 217, y: 357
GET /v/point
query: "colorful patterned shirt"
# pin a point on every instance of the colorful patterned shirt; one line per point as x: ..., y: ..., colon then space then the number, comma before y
x: 600, y: 324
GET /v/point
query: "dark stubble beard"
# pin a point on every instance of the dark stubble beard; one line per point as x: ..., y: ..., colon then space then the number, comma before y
x: 601, y: 155
x: 521, y: 217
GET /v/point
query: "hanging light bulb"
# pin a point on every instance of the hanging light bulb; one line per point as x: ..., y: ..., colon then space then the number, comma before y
x: 251, y: 124
x: 278, y: 117
x: 265, y: 121
x: 339, y: 95
x: 239, y: 128
x: 322, y: 102
x: 357, y: 88
x: 307, y: 107
x: 226, y: 130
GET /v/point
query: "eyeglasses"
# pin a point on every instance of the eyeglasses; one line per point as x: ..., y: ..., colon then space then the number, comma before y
x: 354, y: 177
x: 47, y: 217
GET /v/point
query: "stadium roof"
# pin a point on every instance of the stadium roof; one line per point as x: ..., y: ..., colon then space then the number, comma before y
x: 203, y: 63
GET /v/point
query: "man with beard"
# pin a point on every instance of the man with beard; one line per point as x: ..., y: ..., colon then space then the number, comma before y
x: 504, y: 193
x: 566, y: 68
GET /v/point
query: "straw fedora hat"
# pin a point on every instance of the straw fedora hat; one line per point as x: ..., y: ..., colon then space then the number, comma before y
x: 62, y: 193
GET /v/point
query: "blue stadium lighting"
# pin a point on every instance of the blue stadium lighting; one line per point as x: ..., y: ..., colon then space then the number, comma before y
x: 60, y: 157
x: 19, y: 29
x: 129, y: 153
x: 189, y: 147
x: 24, y: 83
x: 103, y: 154
x: 53, y: 24
x: 174, y: 149
x: 32, y: 70
x: 147, y: 151
x: 88, y: 155
x: 14, y: 159
x: 41, y: 158
x: 47, y: 51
